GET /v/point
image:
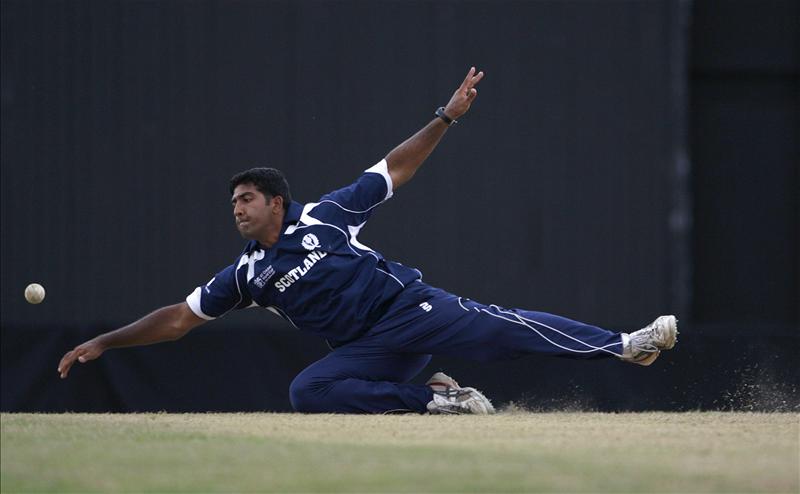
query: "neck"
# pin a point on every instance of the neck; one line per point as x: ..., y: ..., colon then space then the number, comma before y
x: 272, y: 233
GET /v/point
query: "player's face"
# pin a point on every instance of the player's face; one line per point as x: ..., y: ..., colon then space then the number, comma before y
x: 254, y: 214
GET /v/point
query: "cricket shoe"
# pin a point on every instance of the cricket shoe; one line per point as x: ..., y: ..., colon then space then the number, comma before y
x: 644, y: 346
x: 450, y: 398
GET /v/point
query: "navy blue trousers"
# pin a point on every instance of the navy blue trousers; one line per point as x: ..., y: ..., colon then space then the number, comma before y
x: 372, y: 373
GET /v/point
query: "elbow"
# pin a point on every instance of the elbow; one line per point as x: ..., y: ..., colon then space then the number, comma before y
x: 180, y: 329
x: 400, y: 176
x: 182, y: 321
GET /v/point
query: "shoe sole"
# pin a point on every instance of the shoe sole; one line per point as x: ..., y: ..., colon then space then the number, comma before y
x: 672, y: 333
x: 647, y: 360
x: 443, y: 380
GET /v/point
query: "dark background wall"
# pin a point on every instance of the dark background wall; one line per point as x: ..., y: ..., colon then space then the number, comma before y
x: 746, y: 149
x: 623, y: 159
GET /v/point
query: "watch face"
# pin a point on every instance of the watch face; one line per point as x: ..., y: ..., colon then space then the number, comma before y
x: 440, y: 113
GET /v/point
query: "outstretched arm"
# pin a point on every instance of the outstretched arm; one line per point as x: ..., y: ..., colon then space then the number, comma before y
x: 404, y: 160
x: 165, y: 324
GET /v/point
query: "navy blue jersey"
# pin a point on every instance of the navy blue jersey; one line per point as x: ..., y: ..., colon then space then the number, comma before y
x: 318, y: 276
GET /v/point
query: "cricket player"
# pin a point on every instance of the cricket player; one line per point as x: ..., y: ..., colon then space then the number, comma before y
x: 305, y: 263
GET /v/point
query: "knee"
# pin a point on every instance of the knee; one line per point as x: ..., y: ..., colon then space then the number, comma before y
x: 303, y: 396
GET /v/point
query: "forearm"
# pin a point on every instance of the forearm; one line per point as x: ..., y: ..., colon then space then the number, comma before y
x: 404, y: 160
x: 165, y: 324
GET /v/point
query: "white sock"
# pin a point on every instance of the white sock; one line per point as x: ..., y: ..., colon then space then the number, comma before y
x: 627, y: 351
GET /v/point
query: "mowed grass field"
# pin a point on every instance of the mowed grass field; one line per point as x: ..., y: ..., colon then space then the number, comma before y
x: 508, y: 452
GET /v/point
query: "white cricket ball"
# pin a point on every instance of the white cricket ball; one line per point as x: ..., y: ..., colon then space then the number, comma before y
x: 34, y: 293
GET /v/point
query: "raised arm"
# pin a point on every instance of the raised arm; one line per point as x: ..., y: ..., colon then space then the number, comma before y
x: 165, y: 324
x: 404, y: 160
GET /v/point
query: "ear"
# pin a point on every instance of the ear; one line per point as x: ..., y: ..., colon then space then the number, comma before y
x: 276, y: 203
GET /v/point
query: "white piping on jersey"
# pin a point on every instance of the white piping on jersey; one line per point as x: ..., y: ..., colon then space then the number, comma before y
x: 311, y: 221
x: 282, y: 314
x: 347, y: 240
x: 339, y: 229
x: 346, y: 237
x: 350, y: 210
x: 462, y: 305
x: 354, y: 233
x: 196, y: 305
x: 381, y: 168
x: 250, y: 261
x: 554, y: 329
x: 238, y: 289
x: 392, y: 276
x: 521, y: 320
x: 306, y: 218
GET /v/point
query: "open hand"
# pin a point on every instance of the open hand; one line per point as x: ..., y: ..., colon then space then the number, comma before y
x: 464, y: 95
x: 82, y: 353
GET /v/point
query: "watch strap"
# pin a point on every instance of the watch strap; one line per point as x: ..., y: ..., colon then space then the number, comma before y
x: 440, y: 113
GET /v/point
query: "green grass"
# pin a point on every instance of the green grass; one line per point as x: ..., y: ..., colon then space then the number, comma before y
x: 509, y: 452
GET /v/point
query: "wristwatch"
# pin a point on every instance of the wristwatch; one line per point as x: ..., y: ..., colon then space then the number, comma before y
x: 440, y: 113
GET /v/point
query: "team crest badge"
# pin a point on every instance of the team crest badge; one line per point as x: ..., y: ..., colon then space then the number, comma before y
x: 310, y: 242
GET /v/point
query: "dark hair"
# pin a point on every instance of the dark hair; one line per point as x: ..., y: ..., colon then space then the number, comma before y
x: 268, y: 181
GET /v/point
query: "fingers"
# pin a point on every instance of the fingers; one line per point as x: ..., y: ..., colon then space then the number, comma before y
x: 463, y: 96
x: 471, y: 79
x: 66, y: 363
x: 81, y: 354
x: 470, y: 74
x: 476, y: 79
x: 468, y: 86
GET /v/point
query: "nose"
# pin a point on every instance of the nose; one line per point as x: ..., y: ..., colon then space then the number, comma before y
x: 238, y: 210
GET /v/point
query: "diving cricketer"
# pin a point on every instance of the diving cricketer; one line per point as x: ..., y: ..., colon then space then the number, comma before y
x: 305, y: 263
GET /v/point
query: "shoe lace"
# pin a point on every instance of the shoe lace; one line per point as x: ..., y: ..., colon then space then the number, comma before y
x: 641, y: 340
x: 452, y: 394
x: 448, y: 401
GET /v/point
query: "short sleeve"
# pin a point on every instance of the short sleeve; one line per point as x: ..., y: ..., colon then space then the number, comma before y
x: 219, y: 296
x: 373, y: 187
